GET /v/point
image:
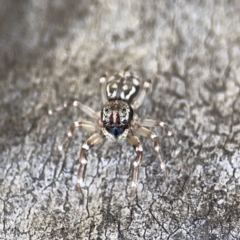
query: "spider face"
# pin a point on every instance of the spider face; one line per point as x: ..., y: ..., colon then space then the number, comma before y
x: 116, y: 116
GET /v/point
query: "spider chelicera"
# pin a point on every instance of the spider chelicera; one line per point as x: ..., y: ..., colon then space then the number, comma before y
x: 121, y: 96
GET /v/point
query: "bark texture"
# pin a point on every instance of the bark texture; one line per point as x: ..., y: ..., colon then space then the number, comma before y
x: 52, y: 51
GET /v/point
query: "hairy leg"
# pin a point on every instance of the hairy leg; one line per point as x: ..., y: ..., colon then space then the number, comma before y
x: 147, y: 133
x: 89, y: 111
x: 134, y: 141
x: 84, y: 124
x: 95, y: 139
x: 154, y: 123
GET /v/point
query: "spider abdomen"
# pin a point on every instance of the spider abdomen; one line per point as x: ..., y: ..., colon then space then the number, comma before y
x: 122, y: 85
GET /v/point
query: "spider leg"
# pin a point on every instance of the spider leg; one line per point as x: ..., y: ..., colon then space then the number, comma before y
x: 89, y: 111
x: 95, y: 139
x: 154, y: 123
x: 134, y: 141
x: 84, y: 124
x: 102, y: 81
x: 139, y: 100
x: 147, y: 133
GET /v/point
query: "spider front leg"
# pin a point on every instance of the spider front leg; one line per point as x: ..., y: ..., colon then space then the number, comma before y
x: 95, y: 139
x: 147, y: 133
x: 89, y: 111
x: 134, y: 141
x: 84, y: 124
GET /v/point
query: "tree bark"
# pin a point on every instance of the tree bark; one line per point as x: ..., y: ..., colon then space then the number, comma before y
x: 53, y: 51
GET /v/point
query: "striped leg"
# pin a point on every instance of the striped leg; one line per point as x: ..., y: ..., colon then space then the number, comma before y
x: 153, y: 123
x: 134, y: 141
x: 84, y: 124
x: 147, y: 133
x: 89, y: 111
x: 102, y: 81
x: 140, y: 98
x: 95, y: 139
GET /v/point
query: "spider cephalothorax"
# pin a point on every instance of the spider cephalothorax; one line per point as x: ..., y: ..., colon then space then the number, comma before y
x: 117, y: 121
x: 116, y: 116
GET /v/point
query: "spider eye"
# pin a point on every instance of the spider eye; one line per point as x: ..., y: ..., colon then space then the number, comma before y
x: 123, y: 110
x: 106, y: 110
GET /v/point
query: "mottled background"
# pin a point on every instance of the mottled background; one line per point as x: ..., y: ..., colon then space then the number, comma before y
x: 52, y: 51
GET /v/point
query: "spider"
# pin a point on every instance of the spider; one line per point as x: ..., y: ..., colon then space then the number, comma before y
x: 121, y: 95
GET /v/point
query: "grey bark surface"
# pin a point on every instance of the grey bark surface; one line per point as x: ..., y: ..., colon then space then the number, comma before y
x: 53, y: 51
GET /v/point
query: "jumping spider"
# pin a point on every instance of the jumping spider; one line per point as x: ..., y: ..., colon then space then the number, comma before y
x: 117, y: 121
